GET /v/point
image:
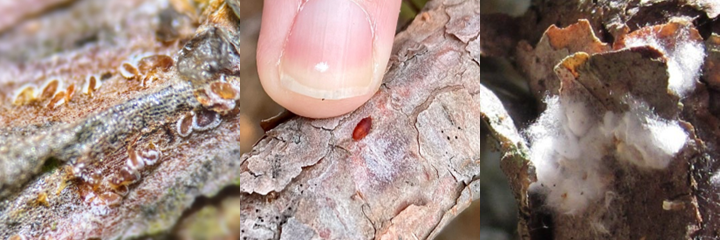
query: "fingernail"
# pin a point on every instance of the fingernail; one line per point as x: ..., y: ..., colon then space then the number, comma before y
x: 329, y: 53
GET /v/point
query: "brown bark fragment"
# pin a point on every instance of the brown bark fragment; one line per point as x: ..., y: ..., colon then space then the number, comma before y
x: 556, y: 44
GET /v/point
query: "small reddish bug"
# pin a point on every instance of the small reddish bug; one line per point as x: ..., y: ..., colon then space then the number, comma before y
x: 362, y: 129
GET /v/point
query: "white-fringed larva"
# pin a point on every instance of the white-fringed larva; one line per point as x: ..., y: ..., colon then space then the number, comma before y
x: 184, y: 124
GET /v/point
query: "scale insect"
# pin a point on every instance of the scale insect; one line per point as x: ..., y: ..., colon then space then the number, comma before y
x: 362, y: 129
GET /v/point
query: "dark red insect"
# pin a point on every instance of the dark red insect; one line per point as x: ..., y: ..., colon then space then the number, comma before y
x: 362, y: 129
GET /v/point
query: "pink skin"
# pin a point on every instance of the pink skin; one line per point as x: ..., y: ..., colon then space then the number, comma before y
x: 325, y: 58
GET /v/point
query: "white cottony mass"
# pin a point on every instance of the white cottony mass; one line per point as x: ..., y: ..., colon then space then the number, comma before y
x: 684, y: 57
x: 569, y: 145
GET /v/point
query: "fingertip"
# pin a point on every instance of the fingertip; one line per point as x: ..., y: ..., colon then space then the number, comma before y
x: 311, y: 107
x: 324, y: 58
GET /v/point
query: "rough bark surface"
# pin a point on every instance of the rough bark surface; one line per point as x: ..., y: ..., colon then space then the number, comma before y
x: 416, y: 169
x: 587, y: 61
x: 73, y: 117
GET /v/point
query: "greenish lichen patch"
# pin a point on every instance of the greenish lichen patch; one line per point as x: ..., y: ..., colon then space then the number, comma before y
x: 51, y: 164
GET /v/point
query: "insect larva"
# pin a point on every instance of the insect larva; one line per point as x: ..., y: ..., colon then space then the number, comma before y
x: 184, y: 124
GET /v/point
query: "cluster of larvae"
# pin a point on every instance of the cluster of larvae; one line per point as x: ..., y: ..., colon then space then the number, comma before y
x: 53, y: 94
x: 104, y: 183
x: 145, y: 69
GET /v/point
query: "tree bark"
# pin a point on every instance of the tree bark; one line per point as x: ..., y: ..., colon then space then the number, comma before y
x: 588, y: 61
x: 416, y: 169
